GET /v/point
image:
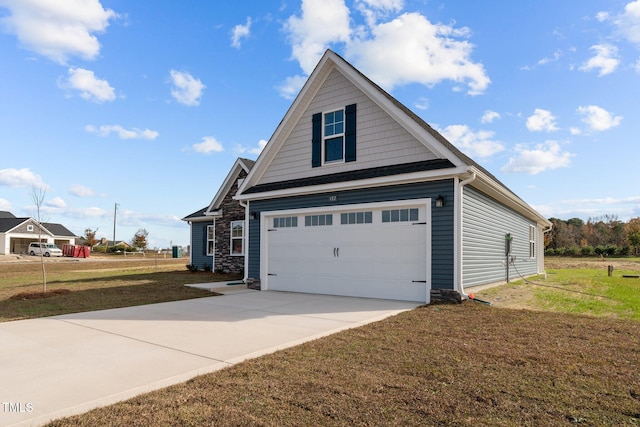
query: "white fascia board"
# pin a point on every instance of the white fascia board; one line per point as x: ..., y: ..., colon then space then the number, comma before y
x: 505, y: 196
x: 228, y: 182
x: 408, y: 178
x: 288, y: 122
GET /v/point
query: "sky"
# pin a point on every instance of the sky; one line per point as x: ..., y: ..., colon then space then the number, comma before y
x: 146, y: 105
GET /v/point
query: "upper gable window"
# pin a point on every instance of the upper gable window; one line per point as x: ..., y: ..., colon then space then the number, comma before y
x: 333, y: 143
x: 333, y: 138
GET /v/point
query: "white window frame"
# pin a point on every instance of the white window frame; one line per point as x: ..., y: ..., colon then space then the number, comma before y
x: 326, y: 137
x: 236, y: 238
x: 211, y: 240
x: 30, y: 227
x: 532, y: 241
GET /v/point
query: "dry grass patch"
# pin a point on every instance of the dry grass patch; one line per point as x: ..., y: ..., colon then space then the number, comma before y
x: 457, y: 365
x: 87, y: 285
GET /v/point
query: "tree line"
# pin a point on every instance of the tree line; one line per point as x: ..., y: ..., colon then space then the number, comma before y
x: 603, y: 235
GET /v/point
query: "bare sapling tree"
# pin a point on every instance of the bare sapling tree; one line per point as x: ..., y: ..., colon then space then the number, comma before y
x: 37, y: 197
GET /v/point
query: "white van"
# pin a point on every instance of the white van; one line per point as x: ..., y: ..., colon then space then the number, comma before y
x: 47, y: 249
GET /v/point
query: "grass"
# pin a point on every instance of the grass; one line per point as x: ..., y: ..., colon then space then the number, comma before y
x: 88, y: 285
x: 581, y: 287
x: 545, y: 363
x: 462, y: 365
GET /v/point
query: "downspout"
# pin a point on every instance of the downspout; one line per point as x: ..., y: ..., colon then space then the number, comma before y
x: 461, y: 186
x: 246, y: 240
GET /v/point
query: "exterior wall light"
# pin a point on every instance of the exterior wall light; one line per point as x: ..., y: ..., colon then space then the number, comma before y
x: 439, y: 201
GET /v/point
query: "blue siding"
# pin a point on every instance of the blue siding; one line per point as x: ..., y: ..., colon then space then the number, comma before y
x: 442, y: 220
x: 485, y: 225
x: 199, y: 245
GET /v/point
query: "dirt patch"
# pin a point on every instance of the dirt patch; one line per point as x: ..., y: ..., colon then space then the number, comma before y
x: 39, y: 295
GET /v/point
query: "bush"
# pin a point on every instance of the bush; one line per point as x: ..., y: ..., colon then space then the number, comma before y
x: 572, y: 250
x: 192, y: 268
x: 625, y: 250
x: 550, y: 251
x: 207, y: 268
x: 586, y: 250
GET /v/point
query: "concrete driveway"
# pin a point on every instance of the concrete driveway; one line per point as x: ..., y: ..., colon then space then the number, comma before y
x: 64, y: 365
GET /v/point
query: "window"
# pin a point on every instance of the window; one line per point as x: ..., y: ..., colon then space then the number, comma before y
x: 237, y: 237
x: 211, y: 243
x: 333, y: 138
x: 318, y: 220
x: 285, y: 222
x: 29, y: 227
x: 532, y: 241
x: 356, y: 218
x: 400, y: 215
x: 333, y: 142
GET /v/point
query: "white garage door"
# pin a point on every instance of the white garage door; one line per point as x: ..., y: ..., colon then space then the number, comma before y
x: 360, y: 250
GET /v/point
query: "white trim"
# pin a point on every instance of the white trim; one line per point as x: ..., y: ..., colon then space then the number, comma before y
x: 228, y: 182
x: 409, y: 178
x: 266, y: 217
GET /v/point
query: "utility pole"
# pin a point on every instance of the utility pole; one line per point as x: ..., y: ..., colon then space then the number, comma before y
x: 115, y: 210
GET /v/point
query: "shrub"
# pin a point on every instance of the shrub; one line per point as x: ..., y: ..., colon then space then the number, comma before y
x: 625, y: 250
x: 192, y: 268
x: 586, y: 250
x: 572, y: 250
x: 550, y: 251
x: 207, y: 268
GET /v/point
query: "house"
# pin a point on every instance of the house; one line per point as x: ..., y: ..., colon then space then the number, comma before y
x: 356, y: 195
x: 17, y: 233
x: 105, y: 243
x: 218, y: 230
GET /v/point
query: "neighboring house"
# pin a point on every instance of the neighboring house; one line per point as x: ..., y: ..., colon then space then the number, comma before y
x: 17, y: 233
x: 121, y: 244
x: 356, y: 195
x: 218, y: 230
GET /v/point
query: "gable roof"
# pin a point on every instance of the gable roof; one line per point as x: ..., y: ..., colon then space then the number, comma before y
x: 240, y: 165
x: 458, y: 164
x: 9, y: 224
x: 207, y: 212
x: 58, y: 230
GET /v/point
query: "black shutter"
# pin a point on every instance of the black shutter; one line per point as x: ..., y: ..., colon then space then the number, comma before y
x: 350, y: 133
x: 316, y: 140
x: 204, y: 241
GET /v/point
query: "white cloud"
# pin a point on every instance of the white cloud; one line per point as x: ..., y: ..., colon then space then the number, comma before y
x: 541, y: 120
x: 393, y: 52
x: 373, y: 10
x: 628, y: 22
x: 598, y: 118
x: 186, y: 89
x: 489, y: 116
x: 208, y: 145
x: 135, y: 133
x: 474, y: 144
x: 240, y: 32
x: 17, y: 178
x: 291, y: 86
x: 81, y: 191
x: 575, y: 131
x: 57, y: 29
x: 240, y: 149
x: 56, y: 202
x: 422, y: 103
x: 545, y: 156
x: 605, y: 61
x: 5, y: 205
x: 321, y: 22
x: 411, y: 49
x: 90, y: 87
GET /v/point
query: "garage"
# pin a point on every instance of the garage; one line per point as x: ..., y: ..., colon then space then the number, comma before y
x: 365, y: 250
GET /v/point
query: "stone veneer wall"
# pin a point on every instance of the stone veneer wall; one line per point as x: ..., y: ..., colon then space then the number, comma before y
x: 231, y: 211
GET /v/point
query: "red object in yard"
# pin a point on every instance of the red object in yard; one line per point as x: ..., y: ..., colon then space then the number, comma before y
x: 76, y: 251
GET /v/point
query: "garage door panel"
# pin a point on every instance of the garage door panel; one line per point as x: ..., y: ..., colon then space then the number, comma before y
x: 374, y: 259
